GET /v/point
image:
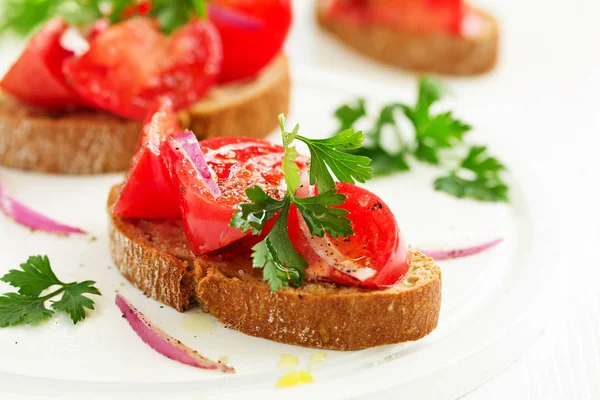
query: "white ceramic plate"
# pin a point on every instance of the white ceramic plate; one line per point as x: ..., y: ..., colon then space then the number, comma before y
x: 486, y: 320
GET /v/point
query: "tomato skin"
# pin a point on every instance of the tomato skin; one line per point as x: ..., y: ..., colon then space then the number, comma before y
x: 148, y: 191
x: 125, y: 77
x: 379, y: 246
x: 36, y: 77
x: 247, y: 51
x: 419, y: 16
x: 238, y: 163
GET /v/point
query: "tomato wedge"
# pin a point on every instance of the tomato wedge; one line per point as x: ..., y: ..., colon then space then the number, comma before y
x: 247, y: 48
x: 36, y: 77
x: 148, y: 191
x: 132, y: 63
x: 237, y: 163
x: 377, y: 250
x: 419, y: 16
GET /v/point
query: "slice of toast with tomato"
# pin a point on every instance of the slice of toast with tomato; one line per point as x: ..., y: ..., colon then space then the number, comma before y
x: 154, y: 255
x: 173, y: 234
x: 71, y: 107
x: 441, y: 36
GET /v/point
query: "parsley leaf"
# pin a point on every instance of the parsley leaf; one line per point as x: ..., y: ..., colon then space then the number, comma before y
x: 442, y: 131
x: 171, y: 14
x: 34, y: 277
x: 435, y: 136
x: 22, y: 17
x: 27, y: 307
x: 276, y: 255
x: 348, y: 114
x: 430, y: 91
x: 290, y: 168
x: 256, y: 214
x: 484, y: 184
x: 74, y: 303
x: 280, y: 262
x: 385, y: 162
x: 346, y: 167
x: 387, y: 117
x: 433, y: 132
x: 16, y: 309
x: 320, y: 217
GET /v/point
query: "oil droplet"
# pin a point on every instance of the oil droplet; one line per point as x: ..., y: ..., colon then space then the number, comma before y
x: 318, y: 357
x: 288, y: 361
x: 294, y: 379
x: 364, y: 200
x: 197, y: 322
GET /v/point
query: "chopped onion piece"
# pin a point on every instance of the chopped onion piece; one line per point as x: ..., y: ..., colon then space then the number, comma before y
x: 164, y: 344
x: 27, y: 217
x: 323, y: 246
x: 188, y: 144
x: 73, y: 40
x: 332, y: 256
x: 231, y: 17
x: 458, y: 253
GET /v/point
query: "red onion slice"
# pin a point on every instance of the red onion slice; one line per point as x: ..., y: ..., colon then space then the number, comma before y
x: 323, y: 247
x: 231, y: 17
x: 458, y: 253
x: 164, y: 344
x: 25, y: 216
x: 332, y: 256
x: 187, y: 143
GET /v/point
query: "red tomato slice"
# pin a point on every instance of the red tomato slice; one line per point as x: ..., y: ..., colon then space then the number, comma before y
x: 377, y: 243
x: 148, y: 191
x: 132, y: 63
x: 247, y: 49
x: 420, y: 16
x: 238, y: 163
x: 36, y: 77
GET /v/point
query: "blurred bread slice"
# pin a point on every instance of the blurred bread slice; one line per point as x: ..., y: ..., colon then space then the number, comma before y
x: 91, y: 142
x: 474, y: 52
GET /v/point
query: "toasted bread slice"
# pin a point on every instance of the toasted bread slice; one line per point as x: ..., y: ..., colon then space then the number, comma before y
x: 88, y: 142
x: 437, y: 52
x: 154, y: 256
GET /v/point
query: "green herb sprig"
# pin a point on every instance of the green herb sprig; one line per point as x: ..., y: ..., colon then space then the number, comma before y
x: 436, y: 137
x: 280, y: 262
x: 22, y: 17
x: 28, y: 306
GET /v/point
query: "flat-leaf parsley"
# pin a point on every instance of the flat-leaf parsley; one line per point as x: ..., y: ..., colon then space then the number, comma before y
x: 28, y: 306
x: 275, y: 255
x: 436, y: 136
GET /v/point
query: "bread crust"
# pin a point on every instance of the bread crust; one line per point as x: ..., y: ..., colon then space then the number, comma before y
x: 89, y: 142
x: 433, y: 53
x: 153, y: 255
